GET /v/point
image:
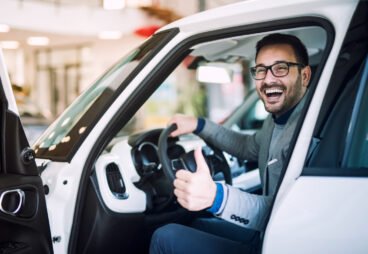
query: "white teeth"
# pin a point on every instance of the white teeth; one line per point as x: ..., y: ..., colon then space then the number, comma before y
x: 273, y: 90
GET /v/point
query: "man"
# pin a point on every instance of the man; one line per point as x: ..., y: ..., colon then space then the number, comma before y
x: 282, y: 75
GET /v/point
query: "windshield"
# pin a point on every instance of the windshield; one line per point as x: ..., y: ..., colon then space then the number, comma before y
x: 61, y: 138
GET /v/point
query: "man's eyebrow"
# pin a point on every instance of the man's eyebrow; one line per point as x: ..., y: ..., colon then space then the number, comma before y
x: 278, y: 61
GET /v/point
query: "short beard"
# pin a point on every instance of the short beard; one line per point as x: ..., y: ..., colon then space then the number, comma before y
x: 289, y: 104
x: 296, y: 99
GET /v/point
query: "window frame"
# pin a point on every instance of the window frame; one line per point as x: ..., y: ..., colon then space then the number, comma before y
x: 64, y: 152
x: 347, y: 78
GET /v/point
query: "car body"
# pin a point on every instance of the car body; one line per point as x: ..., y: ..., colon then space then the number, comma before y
x: 98, y: 187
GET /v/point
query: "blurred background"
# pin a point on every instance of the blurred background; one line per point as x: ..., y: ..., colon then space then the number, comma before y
x: 55, y: 49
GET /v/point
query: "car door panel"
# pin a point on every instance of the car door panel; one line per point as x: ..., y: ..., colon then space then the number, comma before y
x: 23, y: 215
x: 317, y: 212
x: 322, y: 208
x: 18, y: 158
x: 22, y: 218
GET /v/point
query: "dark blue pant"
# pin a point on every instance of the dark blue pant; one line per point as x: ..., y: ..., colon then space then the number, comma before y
x: 210, y: 236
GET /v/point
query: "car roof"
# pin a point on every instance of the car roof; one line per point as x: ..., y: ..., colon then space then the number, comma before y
x: 245, y: 12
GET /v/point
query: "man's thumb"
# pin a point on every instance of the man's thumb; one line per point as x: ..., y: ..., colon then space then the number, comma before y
x: 200, y: 161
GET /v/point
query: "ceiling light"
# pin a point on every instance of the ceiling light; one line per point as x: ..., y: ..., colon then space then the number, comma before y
x: 38, y: 41
x: 110, y: 35
x: 113, y: 4
x: 4, y: 28
x: 9, y: 44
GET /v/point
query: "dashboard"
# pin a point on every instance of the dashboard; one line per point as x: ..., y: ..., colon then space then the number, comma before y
x: 141, y: 183
x: 130, y: 177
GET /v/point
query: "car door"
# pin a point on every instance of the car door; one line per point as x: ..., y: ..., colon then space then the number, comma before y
x: 23, y: 215
x: 324, y: 209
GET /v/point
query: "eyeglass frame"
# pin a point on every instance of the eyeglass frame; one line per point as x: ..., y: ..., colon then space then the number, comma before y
x: 269, y: 67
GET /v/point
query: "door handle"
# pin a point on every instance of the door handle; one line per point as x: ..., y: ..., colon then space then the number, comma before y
x: 11, y: 201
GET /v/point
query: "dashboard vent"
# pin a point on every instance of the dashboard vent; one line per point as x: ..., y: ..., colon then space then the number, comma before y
x: 115, y: 181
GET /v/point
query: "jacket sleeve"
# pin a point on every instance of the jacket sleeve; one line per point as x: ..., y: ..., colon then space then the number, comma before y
x: 240, y: 207
x: 244, y: 209
x: 241, y: 145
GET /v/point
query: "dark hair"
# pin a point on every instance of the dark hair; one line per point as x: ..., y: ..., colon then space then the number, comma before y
x: 299, y: 48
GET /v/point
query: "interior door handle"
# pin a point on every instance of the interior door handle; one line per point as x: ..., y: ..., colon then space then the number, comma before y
x: 11, y: 201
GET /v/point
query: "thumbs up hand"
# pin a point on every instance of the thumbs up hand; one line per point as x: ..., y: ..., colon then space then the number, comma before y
x: 195, y: 191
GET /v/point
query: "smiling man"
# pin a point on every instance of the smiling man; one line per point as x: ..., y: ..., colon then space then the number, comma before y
x: 282, y: 75
x: 278, y: 82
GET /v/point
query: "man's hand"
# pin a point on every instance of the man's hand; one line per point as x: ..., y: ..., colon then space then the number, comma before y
x: 195, y: 191
x: 186, y: 124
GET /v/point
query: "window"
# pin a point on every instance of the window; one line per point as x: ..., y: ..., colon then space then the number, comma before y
x: 340, y: 136
x: 357, y: 146
x: 213, y: 81
x: 78, y: 119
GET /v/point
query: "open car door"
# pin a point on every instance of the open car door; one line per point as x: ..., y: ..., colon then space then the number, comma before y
x: 324, y: 210
x: 23, y: 216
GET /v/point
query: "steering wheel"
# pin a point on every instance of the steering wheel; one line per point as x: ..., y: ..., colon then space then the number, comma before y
x: 214, y: 157
x: 162, y: 152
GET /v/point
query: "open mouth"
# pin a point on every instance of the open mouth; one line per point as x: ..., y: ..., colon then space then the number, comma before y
x: 273, y: 92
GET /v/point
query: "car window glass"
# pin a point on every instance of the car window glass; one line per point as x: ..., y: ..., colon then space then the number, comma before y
x: 340, y: 138
x: 74, y: 122
x: 358, y: 154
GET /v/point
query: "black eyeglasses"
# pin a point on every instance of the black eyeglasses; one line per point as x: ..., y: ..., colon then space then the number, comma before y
x: 279, y: 69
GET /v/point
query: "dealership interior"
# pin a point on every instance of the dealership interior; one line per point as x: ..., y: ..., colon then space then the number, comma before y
x: 55, y: 49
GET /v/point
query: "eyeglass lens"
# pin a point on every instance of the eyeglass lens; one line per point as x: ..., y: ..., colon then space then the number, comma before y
x: 277, y: 69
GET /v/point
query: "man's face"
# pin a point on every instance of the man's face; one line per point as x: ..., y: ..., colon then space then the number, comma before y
x: 279, y: 94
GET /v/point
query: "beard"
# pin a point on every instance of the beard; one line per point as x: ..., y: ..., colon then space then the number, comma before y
x: 279, y: 98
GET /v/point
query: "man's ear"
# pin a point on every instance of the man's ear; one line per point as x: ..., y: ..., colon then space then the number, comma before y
x: 306, y: 75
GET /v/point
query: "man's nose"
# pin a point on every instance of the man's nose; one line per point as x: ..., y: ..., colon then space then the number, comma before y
x: 269, y: 77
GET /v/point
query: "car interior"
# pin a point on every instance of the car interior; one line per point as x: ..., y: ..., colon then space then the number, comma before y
x: 128, y: 193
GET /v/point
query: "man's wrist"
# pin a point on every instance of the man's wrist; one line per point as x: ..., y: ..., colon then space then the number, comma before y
x: 218, y: 199
x: 200, y: 125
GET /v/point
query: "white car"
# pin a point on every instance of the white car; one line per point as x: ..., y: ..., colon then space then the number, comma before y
x: 98, y: 187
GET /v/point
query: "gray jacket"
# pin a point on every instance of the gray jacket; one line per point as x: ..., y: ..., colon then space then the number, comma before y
x: 245, y: 209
